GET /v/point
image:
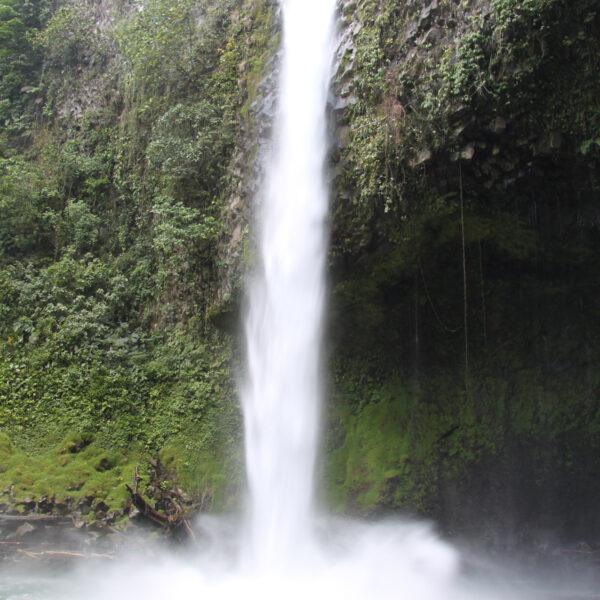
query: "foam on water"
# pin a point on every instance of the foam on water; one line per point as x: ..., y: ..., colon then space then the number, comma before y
x: 350, y: 561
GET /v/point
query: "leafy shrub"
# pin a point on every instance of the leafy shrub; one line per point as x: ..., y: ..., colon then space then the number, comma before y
x: 187, y: 144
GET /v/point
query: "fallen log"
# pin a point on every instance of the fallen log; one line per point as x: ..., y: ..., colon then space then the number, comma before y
x: 176, y: 523
x: 62, y: 554
x: 146, y: 510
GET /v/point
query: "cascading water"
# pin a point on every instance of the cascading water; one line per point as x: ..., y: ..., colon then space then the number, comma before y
x: 281, y: 554
x: 281, y: 399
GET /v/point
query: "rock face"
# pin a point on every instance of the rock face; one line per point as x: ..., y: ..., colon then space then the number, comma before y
x: 236, y: 246
x: 464, y: 231
x: 463, y: 264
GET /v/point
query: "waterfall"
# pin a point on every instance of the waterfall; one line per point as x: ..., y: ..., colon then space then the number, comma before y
x: 282, y: 557
x: 283, y: 323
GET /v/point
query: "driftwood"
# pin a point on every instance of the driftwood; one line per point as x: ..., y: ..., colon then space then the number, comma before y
x: 174, y: 519
x: 61, y: 554
x: 146, y: 510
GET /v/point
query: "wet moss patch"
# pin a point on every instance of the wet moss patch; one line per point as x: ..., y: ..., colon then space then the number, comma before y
x: 61, y: 479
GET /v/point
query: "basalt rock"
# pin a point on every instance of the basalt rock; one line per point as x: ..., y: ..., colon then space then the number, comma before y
x: 463, y: 235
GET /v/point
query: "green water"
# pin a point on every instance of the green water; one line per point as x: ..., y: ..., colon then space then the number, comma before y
x: 27, y: 586
x: 19, y: 590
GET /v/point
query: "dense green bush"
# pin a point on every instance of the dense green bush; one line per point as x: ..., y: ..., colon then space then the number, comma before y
x: 117, y: 131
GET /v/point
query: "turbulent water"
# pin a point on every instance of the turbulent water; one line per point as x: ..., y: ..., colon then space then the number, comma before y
x: 286, y: 550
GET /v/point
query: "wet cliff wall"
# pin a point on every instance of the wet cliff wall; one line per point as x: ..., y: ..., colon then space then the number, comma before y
x: 464, y: 265
x: 462, y: 335
x: 129, y: 142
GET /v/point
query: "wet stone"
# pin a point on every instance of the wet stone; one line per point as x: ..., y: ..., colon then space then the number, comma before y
x: 423, y: 156
x: 101, y: 507
x: 24, y: 530
x: 468, y: 152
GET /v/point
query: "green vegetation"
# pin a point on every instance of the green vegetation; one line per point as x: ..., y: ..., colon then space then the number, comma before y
x: 127, y: 141
x: 466, y: 390
x: 120, y: 127
x: 427, y: 88
x: 75, y: 474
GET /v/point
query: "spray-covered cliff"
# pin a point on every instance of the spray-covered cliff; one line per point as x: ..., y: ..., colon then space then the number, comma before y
x: 464, y: 264
x: 462, y: 356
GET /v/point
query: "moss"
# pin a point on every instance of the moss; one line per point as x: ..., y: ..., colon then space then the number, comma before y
x: 374, y: 451
x: 421, y: 444
x: 501, y: 401
x: 64, y: 479
x: 76, y: 442
x: 204, y: 451
x: 6, y: 447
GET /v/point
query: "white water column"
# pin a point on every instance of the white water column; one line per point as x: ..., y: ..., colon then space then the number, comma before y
x: 283, y: 325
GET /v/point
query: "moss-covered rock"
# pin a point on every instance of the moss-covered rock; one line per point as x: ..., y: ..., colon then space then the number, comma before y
x: 78, y: 473
x: 463, y: 263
